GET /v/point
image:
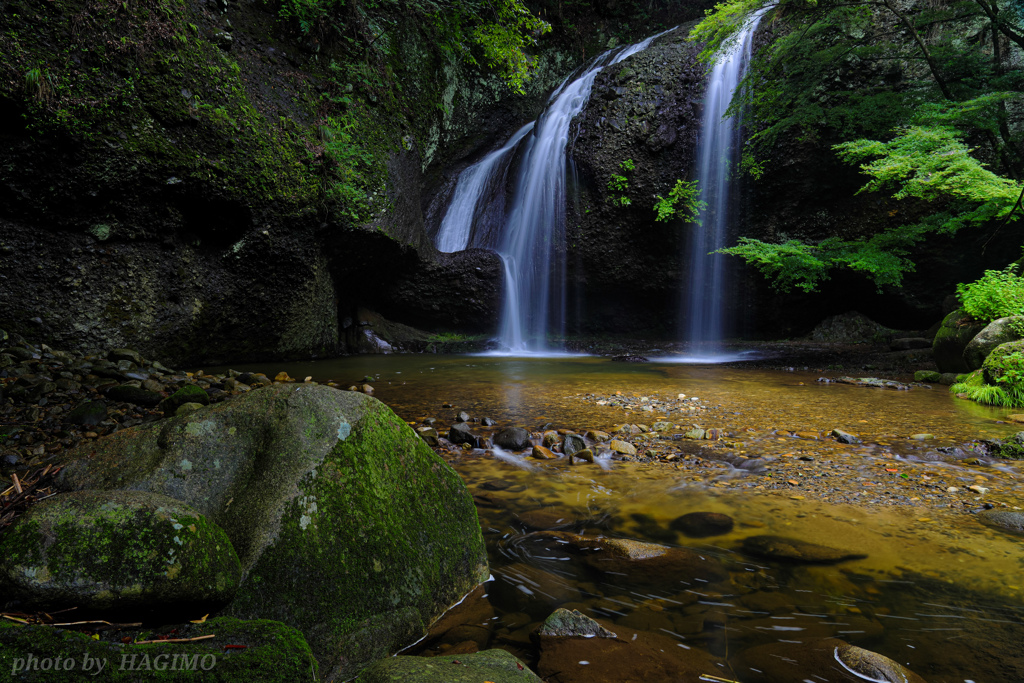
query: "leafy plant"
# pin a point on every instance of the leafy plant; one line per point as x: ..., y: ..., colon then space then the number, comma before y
x: 687, y: 192
x: 620, y: 184
x: 996, y: 294
x: 351, y: 165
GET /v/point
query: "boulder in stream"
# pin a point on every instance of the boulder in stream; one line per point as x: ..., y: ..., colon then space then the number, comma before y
x: 513, y: 439
x: 794, y: 550
x: 825, y: 659
x: 347, y: 525
x: 703, y: 524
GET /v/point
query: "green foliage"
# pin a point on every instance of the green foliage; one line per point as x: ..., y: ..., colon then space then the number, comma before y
x: 1007, y: 371
x: 1011, y: 370
x: 921, y: 111
x: 620, y: 184
x: 996, y: 294
x: 350, y: 173
x: 505, y: 40
x: 687, y: 192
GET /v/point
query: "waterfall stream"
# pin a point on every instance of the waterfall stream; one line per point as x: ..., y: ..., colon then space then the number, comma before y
x: 532, y: 241
x: 717, y: 156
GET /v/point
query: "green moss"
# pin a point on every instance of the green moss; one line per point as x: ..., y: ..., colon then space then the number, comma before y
x: 190, y: 393
x: 268, y: 652
x: 389, y: 557
x: 123, y: 550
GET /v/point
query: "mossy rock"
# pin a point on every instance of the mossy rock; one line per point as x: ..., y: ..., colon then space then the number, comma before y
x: 955, y: 333
x: 190, y: 393
x: 348, y: 526
x: 497, y: 666
x: 129, y: 394
x: 929, y: 376
x: 90, y: 413
x: 997, y: 362
x: 995, y: 333
x: 271, y: 652
x: 127, y: 553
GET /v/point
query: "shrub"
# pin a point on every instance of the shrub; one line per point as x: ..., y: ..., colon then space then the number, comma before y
x: 996, y: 294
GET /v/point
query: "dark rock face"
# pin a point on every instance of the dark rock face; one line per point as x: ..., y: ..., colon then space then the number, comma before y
x: 513, y: 439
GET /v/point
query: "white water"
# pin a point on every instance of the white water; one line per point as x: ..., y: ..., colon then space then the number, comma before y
x: 718, y: 152
x: 533, y: 241
x: 457, y: 226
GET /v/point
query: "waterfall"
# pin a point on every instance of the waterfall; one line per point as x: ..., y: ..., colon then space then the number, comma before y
x: 532, y: 247
x: 469, y: 198
x: 717, y: 153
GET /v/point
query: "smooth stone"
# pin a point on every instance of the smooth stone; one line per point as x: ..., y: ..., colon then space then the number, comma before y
x: 1006, y: 520
x: 586, y: 455
x: 460, y: 433
x: 703, y: 524
x: 695, y: 433
x: 564, y: 623
x: 598, y: 436
x: 190, y: 393
x: 117, y: 355
x: 661, y: 426
x: 930, y: 376
x: 921, y: 437
x: 187, y: 408
x: 551, y: 438
x: 824, y: 659
x: 542, y: 453
x: 794, y: 550
x: 462, y: 416
x: 429, y: 435
x: 488, y: 422
x: 844, y: 437
x: 572, y: 443
x: 512, y: 439
x: 622, y: 447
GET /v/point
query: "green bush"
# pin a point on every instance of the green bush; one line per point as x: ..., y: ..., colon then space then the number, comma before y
x: 1000, y: 382
x: 996, y: 294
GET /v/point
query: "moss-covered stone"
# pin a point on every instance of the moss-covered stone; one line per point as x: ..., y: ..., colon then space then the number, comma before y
x: 267, y: 652
x: 998, y: 364
x: 930, y: 376
x: 347, y: 525
x: 955, y: 333
x: 497, y: 666
x: 126, y: 552
x: 190, y: 393
x: 995, y: 333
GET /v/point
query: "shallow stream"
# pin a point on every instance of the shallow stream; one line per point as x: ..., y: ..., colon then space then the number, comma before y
x: 936, y: 590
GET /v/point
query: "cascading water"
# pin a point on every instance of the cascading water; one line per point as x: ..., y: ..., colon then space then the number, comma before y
x: 717, y: 150
x: 532, y: 242
x: 469, y: 197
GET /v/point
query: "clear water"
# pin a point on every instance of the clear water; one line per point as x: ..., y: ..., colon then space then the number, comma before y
x: 937, y: 592
x: 718, y: 153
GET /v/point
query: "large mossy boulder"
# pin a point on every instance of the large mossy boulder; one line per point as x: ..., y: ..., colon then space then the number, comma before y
x: 995, y: 333
x: 126, y: 552
x: 955, y: 333
x: 347, y: 525
x: 264, y: 651
x: 1001, y: 361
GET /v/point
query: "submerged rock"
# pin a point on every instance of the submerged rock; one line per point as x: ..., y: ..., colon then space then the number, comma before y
x: 823, y: 659
x: 127, y: 552
x: 794, y: 550
x: 347, y: 525
x: 1006, y: 520
x: 703, y: 524
x: 497, y: 666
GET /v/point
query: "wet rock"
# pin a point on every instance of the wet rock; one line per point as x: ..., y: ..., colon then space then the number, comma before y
x: 462, y: 416
x: 598, y: 436
x: 90, y: 413
x: 930, y: 376
x: 844, y: 437
x: 795, y: 550
x: 695, y: 433
x: 460, y: 434
x: 497, y: 666
x: 526, y: 588
x: 661, y: 426
x: 826, y: 659
x: 488, y: 422
x: 622, y: 447
x: 136, y: 395
x: 129, y: 552
x: 496, y: 485
x: 703, y: 524
x: 544, y: 519
x: 956, y: 332
x: 429, y: 435
x: 565, y: 623
x: 367, y: 389
x: 642, y: 562
x: 984, y: 342
x: 573, y: 443
x: 1006, y: 520
x: 542, y: 453
x: 512, y: 439
x: 585, y: 455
